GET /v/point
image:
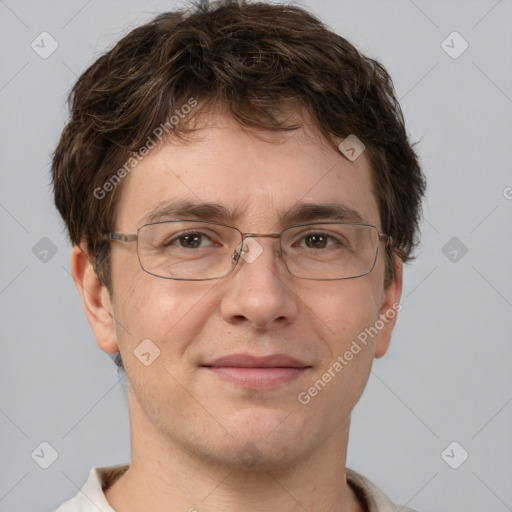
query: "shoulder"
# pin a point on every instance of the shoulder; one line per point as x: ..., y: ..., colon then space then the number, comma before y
x: 371, y: 495
x: 91, y: 497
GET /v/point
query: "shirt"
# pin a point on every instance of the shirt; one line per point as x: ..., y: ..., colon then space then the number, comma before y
x: 91, y: 497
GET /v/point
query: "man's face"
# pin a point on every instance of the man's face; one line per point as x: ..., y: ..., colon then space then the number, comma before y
x: 259, y: 310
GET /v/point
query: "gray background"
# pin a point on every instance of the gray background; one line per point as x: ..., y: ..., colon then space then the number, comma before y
x: 447, y: 375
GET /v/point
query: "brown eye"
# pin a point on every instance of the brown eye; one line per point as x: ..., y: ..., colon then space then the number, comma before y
x: 317, y: 241
x: 192, y: 241
x: 189, y: 240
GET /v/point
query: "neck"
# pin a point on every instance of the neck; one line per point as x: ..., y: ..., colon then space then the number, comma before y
x: 164, y: 476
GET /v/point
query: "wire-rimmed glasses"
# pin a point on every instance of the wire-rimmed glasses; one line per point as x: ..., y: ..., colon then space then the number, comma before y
x: 194, y: 250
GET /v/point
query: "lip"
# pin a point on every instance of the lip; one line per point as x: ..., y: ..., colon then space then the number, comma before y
x: 257, y: 372
x: 248, y: 361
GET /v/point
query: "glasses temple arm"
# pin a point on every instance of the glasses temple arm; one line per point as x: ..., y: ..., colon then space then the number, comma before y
x: 120, y: 237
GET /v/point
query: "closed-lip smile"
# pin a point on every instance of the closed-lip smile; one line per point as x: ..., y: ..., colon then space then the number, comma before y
x: 257, y: 371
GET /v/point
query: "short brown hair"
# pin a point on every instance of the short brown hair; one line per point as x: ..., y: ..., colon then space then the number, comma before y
x: 251, y: 58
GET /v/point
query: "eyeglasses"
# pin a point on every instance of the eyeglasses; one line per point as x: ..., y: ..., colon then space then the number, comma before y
x: 192, y: 250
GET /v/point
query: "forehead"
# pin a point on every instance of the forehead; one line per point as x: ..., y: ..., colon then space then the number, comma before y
x: 254, y: 178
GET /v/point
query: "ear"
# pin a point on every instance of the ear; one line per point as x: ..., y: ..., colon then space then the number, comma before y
x: 95, y: 298
x: 389, y: 309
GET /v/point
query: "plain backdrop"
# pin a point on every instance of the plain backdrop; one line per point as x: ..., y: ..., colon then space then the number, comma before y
x: 446, y: 377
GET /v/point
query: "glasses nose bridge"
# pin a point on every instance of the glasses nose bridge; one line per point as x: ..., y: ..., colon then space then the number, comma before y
x: 260, y: 235
x: 240, y: 250
x: 263, y: 235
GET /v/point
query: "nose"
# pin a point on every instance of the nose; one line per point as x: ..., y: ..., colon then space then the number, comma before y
x: 259, y: 292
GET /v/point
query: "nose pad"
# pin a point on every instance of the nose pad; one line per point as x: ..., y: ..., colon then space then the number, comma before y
x: 250, y: 250
x: 237, y: 253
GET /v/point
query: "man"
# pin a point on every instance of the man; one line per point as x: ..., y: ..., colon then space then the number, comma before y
x: 241, y: 194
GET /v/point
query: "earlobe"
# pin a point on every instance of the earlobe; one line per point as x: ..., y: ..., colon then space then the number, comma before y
x: 95, y: 299
x: 390, y: 306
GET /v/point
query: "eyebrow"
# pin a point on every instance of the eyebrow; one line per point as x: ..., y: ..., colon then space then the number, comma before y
x: 299, y: 213
x: 186, y: 209
x: 311, y: 212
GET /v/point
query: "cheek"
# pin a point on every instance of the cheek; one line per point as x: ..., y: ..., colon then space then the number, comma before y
x: 169, y: 313
x: 340, y: 317
x: 344, y: 310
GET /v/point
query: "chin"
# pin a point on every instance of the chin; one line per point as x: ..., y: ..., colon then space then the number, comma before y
x: 262, y: 442
x: 256, y: 457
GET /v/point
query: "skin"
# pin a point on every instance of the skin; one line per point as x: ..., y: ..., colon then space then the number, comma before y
x: 188, y: 426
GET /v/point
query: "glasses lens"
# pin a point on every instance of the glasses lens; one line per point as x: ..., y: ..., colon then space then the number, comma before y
x: 330, y: 251
x: 192, y: 250
x: 187, y: 249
